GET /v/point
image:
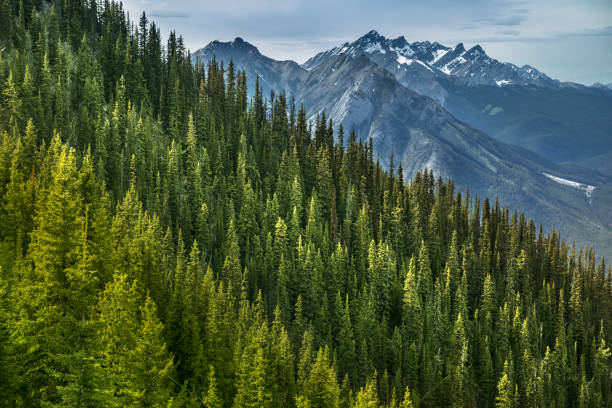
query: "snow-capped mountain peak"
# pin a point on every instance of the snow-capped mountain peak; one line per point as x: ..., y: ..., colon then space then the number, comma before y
x: 399, y: 42
x: 476, y: 52
x: 470, y: 67
x: 373, y: 35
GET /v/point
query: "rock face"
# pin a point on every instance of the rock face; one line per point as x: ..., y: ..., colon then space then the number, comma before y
x: 360, y: 91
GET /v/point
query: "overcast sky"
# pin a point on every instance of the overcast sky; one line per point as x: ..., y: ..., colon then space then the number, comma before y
x: 570, y: 40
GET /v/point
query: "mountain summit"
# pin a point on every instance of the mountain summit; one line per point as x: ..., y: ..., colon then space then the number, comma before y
x: 273, y: 75
x: 471, y: 67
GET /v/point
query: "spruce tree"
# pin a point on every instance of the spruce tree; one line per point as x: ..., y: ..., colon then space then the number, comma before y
x: 211, y: 399
x: 321, y: 387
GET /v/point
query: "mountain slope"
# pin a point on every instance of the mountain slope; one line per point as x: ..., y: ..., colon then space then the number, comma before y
x: 516, y: 105
x: 365, y: 97
x: 421, y: 133
x: 561, y: 124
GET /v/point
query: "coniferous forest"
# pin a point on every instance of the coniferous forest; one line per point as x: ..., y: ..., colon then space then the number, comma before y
x: 168, y: 241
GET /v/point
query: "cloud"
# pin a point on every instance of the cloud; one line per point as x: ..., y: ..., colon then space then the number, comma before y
x: 503, y: 13
x: 594, y: 32
x: 515, y: 35
x: 168, y: 14
x: 512, y: 20
x: 508, y: 32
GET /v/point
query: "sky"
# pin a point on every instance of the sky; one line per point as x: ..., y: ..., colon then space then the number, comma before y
x: 570, y: 40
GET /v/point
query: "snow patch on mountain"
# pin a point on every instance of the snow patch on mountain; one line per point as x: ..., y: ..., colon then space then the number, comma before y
x: 432, y: 163
x: 374, y: 47
x: 588, y: 189
x: 445, y: 70
x: 425, y: 65
x: 454, y: 65
x: 403, y: 60
x: 439, y: 54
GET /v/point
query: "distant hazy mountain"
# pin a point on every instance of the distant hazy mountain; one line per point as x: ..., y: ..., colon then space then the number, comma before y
x: 354, y: 89
x: 599, y: 85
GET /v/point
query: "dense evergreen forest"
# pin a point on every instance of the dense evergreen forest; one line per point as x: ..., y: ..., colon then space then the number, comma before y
x: 166, y: 241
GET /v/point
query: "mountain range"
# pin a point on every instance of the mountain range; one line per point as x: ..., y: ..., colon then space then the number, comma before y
x: 538, y: 144
x: 473, y: 66
x: 517, y: 105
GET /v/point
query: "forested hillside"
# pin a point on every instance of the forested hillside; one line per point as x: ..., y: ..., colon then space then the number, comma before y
x: 165, y: 242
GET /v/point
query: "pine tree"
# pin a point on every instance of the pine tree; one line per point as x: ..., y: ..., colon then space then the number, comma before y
x: 232, y: 271
x: 367, y: 397
x: 381, y: 275
x: 117, y: 324
x: 12, y: 102
x: 321, y: 388
x: 253, y: 388
x: 54, y: 300
x: 346, y: 348
x: 281, y: 363
x: 211, y: 399
x: 505, y: 391
x: 151, y: 366
x: 424, y: 276
x: 412, y: 312
x: 407, y: 401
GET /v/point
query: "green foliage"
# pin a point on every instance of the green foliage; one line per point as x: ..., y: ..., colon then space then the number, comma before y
x: 166, y: 243
x: 321, y: 388
x: 505, y: 391
x: 407, y: 401
x: 211, y: 399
